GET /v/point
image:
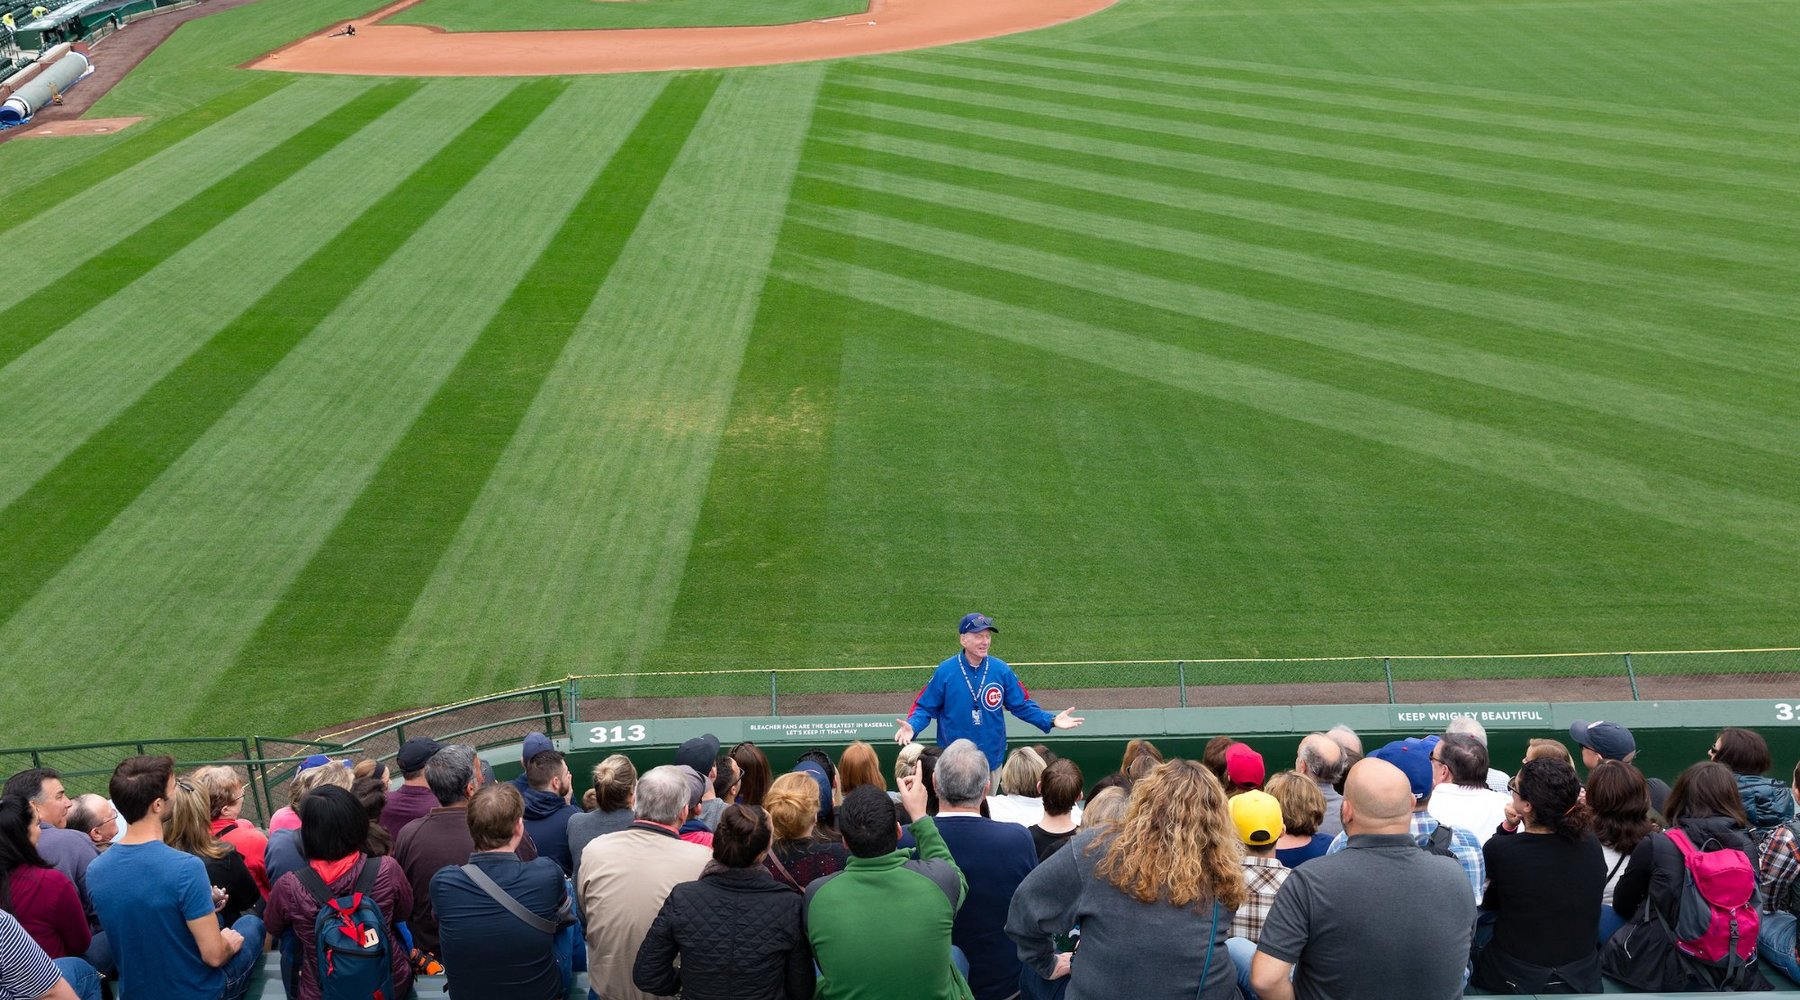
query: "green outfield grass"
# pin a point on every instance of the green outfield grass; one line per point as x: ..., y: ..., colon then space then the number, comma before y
x: 1185, y: 330
x: 485, y: 15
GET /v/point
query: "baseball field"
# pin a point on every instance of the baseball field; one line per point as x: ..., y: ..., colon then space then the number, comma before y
x: 1189, y: 328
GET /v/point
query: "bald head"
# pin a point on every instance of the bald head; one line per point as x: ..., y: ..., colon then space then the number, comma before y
x: 1377, y: 798
x: 1319, y: 758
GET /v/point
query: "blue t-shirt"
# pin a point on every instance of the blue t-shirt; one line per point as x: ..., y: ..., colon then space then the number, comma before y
x: 145, y: 895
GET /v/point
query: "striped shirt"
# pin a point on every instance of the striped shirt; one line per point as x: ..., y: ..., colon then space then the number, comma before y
x: 26, y: 973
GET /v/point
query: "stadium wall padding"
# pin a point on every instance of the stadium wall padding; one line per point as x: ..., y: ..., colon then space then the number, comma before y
x: 1670, y: 734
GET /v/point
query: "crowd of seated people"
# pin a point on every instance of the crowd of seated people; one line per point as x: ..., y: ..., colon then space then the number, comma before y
x: 1417, y: 868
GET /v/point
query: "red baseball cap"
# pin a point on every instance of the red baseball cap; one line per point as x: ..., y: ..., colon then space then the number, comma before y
x: 1244, y: 766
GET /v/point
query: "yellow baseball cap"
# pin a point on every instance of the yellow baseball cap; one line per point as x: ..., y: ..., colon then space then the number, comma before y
x: 1258, y: 818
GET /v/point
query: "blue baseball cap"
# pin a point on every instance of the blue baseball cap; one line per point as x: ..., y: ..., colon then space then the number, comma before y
x: 977, y: 622
x: 1413, y: 757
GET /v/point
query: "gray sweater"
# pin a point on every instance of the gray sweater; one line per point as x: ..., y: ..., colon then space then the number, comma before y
x: 1146, y: 951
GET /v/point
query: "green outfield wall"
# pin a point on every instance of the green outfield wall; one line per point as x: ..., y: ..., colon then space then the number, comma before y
x: 1670, y: 734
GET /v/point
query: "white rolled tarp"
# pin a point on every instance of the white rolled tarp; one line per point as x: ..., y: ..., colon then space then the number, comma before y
x: 61, y: 74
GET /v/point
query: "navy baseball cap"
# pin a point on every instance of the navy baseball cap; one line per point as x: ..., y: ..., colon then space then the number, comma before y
x: 977, y: 622
x: 535, y: 743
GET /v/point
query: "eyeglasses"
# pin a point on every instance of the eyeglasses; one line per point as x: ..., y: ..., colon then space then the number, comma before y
x: 1712, y: 751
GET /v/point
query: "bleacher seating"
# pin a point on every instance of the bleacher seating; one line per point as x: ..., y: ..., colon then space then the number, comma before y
x: 267, y: 986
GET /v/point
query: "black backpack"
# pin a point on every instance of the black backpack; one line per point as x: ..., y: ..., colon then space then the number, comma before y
x: 1439, y: 843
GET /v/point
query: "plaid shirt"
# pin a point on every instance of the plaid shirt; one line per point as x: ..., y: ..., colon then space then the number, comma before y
x: 1263, y: 877
x: 1463, y: 844
x: 1776, y: 868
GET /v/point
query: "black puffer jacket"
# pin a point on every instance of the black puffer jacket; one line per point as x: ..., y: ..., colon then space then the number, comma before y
x: 738, y: 935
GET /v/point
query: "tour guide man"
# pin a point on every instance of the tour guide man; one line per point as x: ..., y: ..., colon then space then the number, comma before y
x: 967, y: 692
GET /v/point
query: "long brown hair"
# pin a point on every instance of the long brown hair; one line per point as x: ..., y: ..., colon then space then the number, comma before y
x: 1705, y: 789
x: 1176, y: 841
x: 1620, y: 799
x: 755, y: 765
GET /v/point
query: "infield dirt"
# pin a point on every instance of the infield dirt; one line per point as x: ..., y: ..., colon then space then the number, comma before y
x: 379, y: 49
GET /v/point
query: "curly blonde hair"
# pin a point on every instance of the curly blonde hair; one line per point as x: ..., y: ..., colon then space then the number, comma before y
x: 1176, y: 842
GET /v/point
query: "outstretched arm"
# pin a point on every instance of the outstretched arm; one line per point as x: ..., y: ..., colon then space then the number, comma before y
x: 927, y: 706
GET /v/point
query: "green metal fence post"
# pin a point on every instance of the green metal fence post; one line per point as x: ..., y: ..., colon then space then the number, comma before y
x: 1387, y: 670
x: 1181, y: 680
x: 253, y: 769
x: 572, y: 703
x: 1631, y: 673
x: 774, y: 699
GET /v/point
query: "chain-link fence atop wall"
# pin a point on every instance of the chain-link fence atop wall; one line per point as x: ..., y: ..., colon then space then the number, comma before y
x: 1174, y: 683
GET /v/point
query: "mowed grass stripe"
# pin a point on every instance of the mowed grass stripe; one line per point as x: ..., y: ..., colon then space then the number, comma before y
x: 1431, y: 106
x: 180, y: 580
x: 358, y: 589
x: 1576, y: 189
x: 142, y: 194
x: 1353, y: 211
x: 975, y: 112
x: 1182, y: 179
x: 72, y: 385
x: 1529, y: 154
x: 1527, y: 110
x: 33, y: 200
x: 571, y: 559
x: 1351, y: 230
x: 1496, y: 349
x: 1730, y: 126
x: 1651, y: 493
x: 1334, y: 336
x: 32, y: 319
x: 51, y: 522
x: 1656, y: 328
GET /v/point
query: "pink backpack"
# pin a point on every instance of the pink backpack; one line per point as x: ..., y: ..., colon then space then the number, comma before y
x: 1715, y: 914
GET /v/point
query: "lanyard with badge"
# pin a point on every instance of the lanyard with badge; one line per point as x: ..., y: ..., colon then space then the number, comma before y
x: 974, y: 699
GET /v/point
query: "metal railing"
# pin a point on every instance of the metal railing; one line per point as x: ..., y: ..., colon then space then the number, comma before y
x: 268, y: 763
